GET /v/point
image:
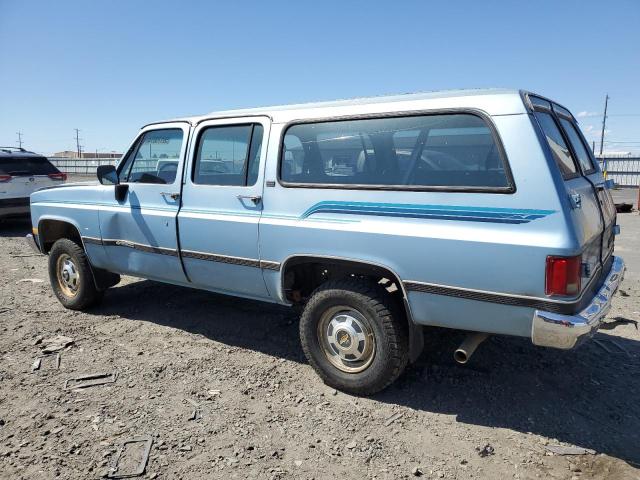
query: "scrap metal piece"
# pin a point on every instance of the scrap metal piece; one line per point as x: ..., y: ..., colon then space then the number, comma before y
x: 113, y: 470
x: 90, y: 380
x: 569, y: 450
x: 393, y: 418
x: 36, y: 364
x: 55, y: 344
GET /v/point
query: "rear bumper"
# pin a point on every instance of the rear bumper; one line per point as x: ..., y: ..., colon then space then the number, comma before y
x: 568, y: 331
x: 10, y: 207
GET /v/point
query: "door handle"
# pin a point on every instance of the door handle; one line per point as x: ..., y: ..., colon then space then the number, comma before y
x: 173, y: 195
x: 254, y: 198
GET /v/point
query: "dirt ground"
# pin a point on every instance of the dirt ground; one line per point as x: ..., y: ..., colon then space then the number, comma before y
x: 222, y: 387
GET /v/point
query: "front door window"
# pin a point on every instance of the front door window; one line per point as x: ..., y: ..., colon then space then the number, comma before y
x: 155, y: 158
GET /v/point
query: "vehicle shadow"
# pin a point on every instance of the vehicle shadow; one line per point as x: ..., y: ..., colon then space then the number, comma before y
x: 587, y: 397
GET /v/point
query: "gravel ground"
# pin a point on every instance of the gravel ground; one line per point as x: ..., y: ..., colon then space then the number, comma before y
x: 222, y: 387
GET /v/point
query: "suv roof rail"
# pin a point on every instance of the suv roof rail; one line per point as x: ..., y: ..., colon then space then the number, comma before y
x: 15, y: 149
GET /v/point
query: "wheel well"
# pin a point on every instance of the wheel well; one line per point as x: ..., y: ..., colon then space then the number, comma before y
x: 302, y: 275
x: 49, y: 231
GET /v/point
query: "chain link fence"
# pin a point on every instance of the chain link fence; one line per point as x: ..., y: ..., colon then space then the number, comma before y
x: 81, y: 166
x: 624, y: 171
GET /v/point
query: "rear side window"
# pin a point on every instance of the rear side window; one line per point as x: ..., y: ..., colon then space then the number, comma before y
x: 228, y: 155
x: 559, y: 148
x: 578, y: 145
x: 448, y: 150
x: 18, y: 166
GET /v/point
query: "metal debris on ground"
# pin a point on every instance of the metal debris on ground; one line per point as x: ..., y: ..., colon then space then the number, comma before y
x: 617, y: 322
x: 37, y: 363
x: 393, y: 418
x: 602, y: 345
x: 90, y: 380
x: 142, y: 465
x: 569, y: 450
x: 486, y: 450
x: 55, y: 344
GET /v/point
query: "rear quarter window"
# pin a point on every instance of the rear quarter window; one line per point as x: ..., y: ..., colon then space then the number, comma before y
x: 578, y: 145
x: 456, y: 151
x: 559, y: 148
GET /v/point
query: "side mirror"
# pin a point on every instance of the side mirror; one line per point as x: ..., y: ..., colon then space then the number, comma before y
x: 107, y: 175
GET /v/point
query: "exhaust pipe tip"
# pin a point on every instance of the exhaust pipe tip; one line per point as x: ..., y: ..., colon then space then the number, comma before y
x: 468, y: 346
x: 460, y: 356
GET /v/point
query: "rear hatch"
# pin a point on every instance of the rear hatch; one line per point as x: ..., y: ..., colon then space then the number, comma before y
x: 593, y: 210
x: 23, y: 174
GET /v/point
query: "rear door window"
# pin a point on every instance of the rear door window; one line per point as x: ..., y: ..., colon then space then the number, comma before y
x: 578, y: 145
x: 228, y: 155
x: 26, y: 166
x: 559, y: 148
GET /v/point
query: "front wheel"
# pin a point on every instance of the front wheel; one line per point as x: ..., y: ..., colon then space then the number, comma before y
x: 71, y: 277
x: 354, y: 336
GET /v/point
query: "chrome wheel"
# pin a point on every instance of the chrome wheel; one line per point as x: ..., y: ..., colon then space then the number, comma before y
x: 68, y: 275
x: 347, y: 339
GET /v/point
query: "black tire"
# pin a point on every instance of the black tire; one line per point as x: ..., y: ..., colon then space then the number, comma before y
x: 384, y: 320
x: 85, y: 294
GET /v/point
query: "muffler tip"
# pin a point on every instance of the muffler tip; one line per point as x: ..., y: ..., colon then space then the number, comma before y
x: 468, y: 346
x: 460, y: 356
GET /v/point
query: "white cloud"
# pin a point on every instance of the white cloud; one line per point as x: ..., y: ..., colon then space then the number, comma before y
x: 584, y: 114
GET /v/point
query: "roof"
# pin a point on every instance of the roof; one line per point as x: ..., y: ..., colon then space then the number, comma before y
x: 15, y: 152
x: 492, y: 101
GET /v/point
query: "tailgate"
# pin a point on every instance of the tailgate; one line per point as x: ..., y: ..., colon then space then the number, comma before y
x: 593, y: 212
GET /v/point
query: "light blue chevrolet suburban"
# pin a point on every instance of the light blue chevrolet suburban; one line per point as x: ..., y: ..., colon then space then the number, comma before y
x: 479, y: 210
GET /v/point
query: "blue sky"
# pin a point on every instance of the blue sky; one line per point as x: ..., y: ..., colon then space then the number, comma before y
x: 109, y: 67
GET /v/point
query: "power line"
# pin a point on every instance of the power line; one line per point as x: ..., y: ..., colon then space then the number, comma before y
x: 19, y: 139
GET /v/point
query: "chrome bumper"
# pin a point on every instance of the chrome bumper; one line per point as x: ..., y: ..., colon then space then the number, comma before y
x: 31, y: 241
x: 568, y: 331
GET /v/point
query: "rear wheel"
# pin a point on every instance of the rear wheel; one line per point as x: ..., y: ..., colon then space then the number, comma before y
x: 71, y: 277
x: 354, y: 336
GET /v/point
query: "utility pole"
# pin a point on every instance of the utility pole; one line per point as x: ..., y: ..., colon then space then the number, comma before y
x: 78, y: 148
x: 19, y: 139
x: 593, y: 147
x: 604, y: 123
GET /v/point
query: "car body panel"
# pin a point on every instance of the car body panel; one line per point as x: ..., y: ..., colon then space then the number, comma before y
x: 223, y: 260
x: 139, y: 232
x: 465, y: 259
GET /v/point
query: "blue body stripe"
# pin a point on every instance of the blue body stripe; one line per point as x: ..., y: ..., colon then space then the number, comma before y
x: 439, y: 212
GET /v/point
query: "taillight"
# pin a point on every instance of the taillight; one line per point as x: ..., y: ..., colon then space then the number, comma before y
x: 5, y: 178
x: 58, y: 176
x: 563, y: 275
